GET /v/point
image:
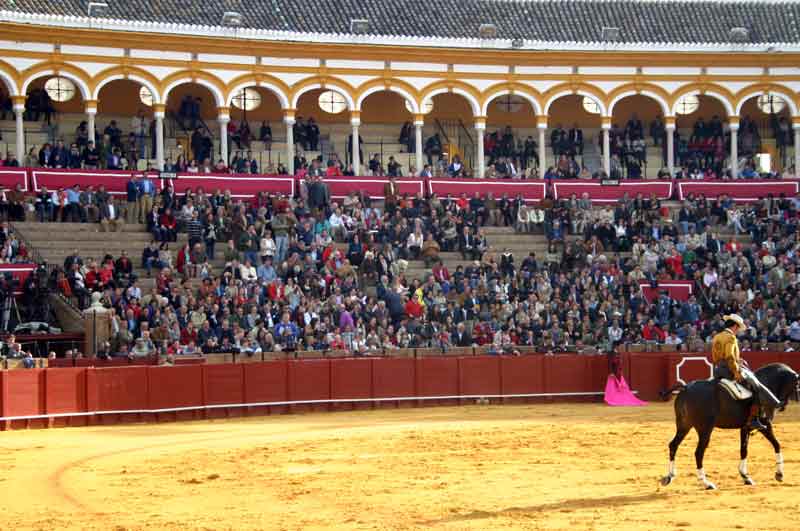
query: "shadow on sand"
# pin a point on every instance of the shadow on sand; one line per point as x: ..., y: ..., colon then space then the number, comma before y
x: 562, y: 506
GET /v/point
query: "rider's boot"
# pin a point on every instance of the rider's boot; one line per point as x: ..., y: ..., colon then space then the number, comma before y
x: 755, y: 418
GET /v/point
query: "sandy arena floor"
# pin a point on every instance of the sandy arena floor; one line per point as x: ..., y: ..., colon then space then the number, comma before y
x: 476, y: 467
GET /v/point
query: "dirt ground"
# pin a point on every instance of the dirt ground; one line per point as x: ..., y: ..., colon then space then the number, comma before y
x: 472, y: 467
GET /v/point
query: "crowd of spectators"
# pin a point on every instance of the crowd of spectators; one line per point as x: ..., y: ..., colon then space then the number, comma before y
x: 309, y: 273
x: 702, y: 153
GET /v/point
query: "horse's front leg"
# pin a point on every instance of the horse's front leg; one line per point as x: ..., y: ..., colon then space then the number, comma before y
x: 744, y: 439
x: 704, y: 437
x: 770, y: 436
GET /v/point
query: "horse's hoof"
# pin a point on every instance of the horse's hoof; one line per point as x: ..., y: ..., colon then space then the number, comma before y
x: 749, y: 481
x: 711, y: 486
x: 778, y: 476
x: 666, y: 480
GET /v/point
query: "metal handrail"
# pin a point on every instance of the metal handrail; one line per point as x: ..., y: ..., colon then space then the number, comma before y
x: 440, y: 129
x: 37, y: 257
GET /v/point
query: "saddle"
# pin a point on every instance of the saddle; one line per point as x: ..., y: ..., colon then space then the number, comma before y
x: 735, y: 389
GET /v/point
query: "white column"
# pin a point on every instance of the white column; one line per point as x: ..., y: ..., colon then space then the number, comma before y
x: 479, y: 128
x: 91, y: 113
x: 542, y: 149
x: 223, y: 137
x: 418, y: 143
x: 797, y: 150
x: 671, y: 149
x: 289, y: 121
x: 606, y: 149
x: 159, y: 117
x: 19, y: 109
x: 355, y: 122
x: 734, y: 150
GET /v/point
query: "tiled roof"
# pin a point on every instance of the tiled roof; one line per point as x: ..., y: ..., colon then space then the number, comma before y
x: 573, y: 21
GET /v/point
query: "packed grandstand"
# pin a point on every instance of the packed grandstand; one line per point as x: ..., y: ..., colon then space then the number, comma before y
x: 333, y: 187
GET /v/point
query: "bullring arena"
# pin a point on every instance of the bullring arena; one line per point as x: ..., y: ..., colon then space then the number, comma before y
x: 556, y: 466
x: 320, y: 458
x: 388, y: 264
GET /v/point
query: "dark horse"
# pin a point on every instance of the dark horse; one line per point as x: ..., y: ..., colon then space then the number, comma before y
x: 704, y: 405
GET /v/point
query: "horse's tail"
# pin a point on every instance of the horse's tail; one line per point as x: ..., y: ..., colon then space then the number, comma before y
x: 665, y: 394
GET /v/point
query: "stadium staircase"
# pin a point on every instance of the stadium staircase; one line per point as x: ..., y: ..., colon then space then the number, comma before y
x: 53, y: 242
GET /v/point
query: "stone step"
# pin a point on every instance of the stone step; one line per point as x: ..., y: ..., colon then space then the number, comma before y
x: 57, y: 227
x: 131, y: 246
x: 134, y: 239
x: 58, y: 255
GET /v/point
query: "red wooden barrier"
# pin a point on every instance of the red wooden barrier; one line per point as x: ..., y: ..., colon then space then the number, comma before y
x: 223, y: 384
x: 690, y: 370
x: 24, y: 392
x: 136, y: 388
x: 65, y: 390
x: 175, y: 387
x: 351, y: 378
x: 393, y: 377
x: 596, y: 373
x: 564, y: 374
x: 756, y: 360
x: 437, y: 377
x: 792, y: 359
x: 266, y: 382
x: 116, y: 389
x: 309, y: 380
x: 480, y: 375
x: 523, y: 375
x: 647, y: 374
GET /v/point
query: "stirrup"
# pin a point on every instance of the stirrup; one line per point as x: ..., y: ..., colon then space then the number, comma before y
x: 756, y: 424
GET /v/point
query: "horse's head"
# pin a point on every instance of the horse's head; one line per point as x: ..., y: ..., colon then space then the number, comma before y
x: 782, y: 380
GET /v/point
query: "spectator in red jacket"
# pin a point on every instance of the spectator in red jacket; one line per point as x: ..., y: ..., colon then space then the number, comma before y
x: 168, y: 226
x: 189, y: 334
x: 675, y: 263
x: 651, y: 332
x: 413, y: 308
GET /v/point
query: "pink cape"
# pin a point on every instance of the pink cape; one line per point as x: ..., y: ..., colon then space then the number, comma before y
x: 619, y: 394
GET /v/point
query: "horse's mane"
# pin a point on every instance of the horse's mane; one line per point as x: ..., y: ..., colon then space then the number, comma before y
x: 780, y: 378
x: 776, y: 366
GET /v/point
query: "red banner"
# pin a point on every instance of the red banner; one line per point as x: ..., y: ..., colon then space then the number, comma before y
x: 240, y: 186
x: 680, y: 290
x: 116, y: 182
x: 600, y: 193
x: 532, y: 190
x: 11, y: 177
x: 740, y: 191
x: 340, y: 187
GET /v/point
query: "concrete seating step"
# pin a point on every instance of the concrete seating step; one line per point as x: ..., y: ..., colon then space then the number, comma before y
x: 59, y: 227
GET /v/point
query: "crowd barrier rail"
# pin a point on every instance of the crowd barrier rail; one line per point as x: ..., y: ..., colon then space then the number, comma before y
x: 245, y: 186
x: 80, y: 396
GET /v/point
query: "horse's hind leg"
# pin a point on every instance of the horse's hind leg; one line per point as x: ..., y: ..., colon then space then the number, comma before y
x: 676, y: 441
x: 704, y: 437
x: 770, y: 436
x: 744, y: 439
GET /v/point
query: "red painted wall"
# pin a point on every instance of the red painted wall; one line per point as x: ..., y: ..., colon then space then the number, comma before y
x: 141, y: 388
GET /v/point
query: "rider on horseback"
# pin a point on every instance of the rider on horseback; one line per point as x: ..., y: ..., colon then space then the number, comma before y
x: 728, y: 364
